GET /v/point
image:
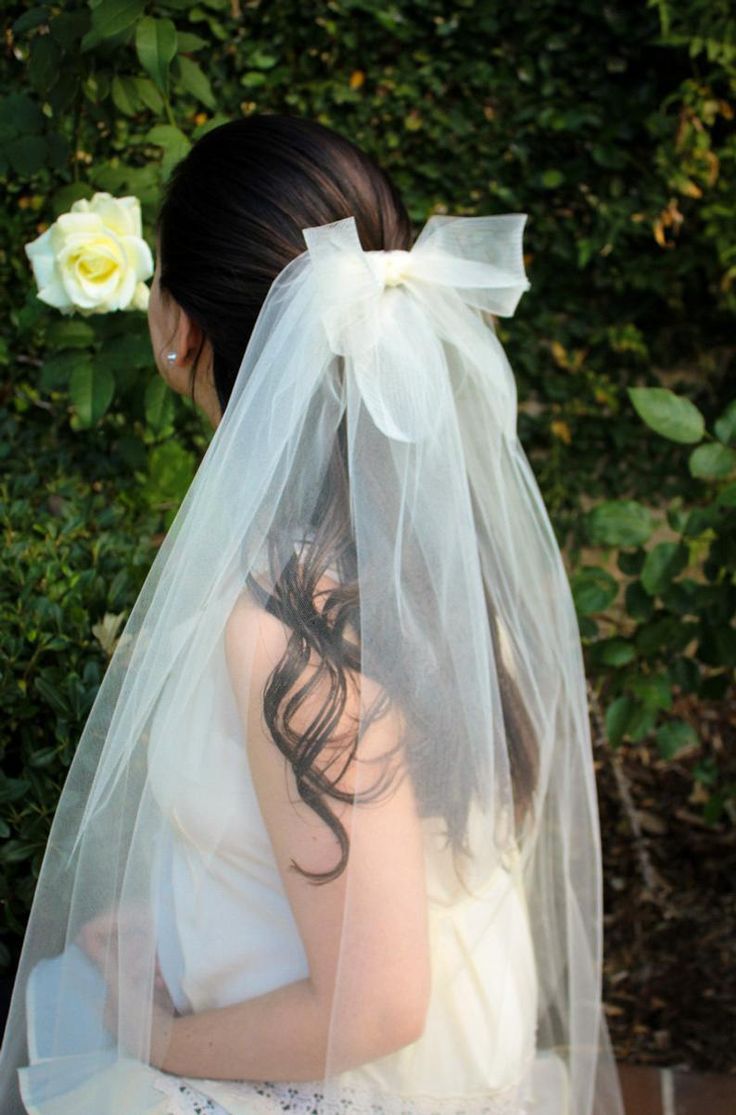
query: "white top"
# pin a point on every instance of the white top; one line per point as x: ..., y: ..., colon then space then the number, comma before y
x: 236, y: 937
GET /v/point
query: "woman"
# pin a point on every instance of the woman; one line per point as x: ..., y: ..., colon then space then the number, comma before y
x: 330, y: 839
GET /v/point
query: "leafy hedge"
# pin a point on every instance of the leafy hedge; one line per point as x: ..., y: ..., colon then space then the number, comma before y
x: 612, y: 126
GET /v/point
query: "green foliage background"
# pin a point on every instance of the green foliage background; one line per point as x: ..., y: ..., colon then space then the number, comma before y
x: 612, y: 126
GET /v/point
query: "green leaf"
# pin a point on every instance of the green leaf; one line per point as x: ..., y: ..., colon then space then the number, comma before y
x: 655, y: 690
x: 131, y: 350
x: 617, y: 717
x: 159, y: 404
x: 110, y: 17
x: 674, y: 736
x: 29, y: 20
x: 51, y: 695
x: 165, y: 135
x: 91, y: 388
x: 668, y: 414
x: 195, y: 81
x: 65, y: 196
x: 170, y: 470
x: 663, y: 635
x: 71, y: 333
x: 619, y: 523
x: 155, y: 44
x: 662, y: 563
x: 725, y: 425
x: 148, y: 94
x: 712, y: 461
x: 727, y: 496
x: 173, y: 141
x: 57, y: 370
x: 22, y: 114
x: 641, y: 721
x: 261, y: 59
x: 638, y: 603
x: 615, y: 652
x: 12, y: 788
x: 188, y: 42
x: 125, y: 95
x: 27, y: 155
x: 593, y: 589
x: 552, y: 178
x: 43, y: 66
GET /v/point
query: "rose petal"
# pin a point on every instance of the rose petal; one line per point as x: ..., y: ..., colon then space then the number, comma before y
x: 122, y: 215
x: 42, y: 258
x: 139, y: 256
x: 141, y: 297
x: 125, y: 290
x: 56, y: 294
x: 78, y: 223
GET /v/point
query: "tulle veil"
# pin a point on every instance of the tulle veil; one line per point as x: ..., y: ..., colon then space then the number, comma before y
x: 462, y: 621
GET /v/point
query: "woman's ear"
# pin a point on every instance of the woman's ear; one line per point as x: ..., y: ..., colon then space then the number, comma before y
x: 187, y: 340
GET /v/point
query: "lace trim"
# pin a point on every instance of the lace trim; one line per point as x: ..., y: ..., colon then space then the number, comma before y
x: 267, y: 1097
x: 184, y: 1100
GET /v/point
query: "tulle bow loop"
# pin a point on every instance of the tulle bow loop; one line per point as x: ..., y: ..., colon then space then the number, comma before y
x: 482, y: 257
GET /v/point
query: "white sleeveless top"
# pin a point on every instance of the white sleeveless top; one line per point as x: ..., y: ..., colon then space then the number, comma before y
x: 236, y: 938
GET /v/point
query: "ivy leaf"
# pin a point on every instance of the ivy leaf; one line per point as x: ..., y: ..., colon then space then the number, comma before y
x: 110, y: 17
x: 593, y: 589
x: 196, y: 82
x: 615, y: 652
x: 668, y: 414
x: 159, y: 404
x: 29, y: 20
x: 69, y: 334
x: 619, y: 522
x: 91, y: 389
x: 662, y: 563
x: 173, y: 141
x: 725, y: 426
x: 148, y: 93
x: 125, y: 94
x: 674, y: 736
x: 155, y: 44
x: 712, y: 461
x: 617, y: 717
x: 27, y: 154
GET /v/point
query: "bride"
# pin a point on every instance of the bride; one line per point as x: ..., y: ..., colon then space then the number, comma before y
x: 330, y: 839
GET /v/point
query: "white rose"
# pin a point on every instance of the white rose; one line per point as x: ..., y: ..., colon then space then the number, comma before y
x: 94, y: 258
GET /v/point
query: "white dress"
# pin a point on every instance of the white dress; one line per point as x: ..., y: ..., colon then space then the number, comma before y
x: 236, y: 938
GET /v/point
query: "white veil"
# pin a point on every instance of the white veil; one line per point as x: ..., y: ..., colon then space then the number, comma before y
x: 458, y: 636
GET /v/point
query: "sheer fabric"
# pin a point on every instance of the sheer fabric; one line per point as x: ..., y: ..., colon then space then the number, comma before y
x: 462, y: 613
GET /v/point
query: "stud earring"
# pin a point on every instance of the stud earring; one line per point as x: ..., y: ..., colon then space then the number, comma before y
x: 171, y: 357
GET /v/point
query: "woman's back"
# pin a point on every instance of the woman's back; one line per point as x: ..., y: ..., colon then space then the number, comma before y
x: 233, y: 935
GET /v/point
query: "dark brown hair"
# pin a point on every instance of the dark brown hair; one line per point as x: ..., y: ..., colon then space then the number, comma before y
x: 230, y: 220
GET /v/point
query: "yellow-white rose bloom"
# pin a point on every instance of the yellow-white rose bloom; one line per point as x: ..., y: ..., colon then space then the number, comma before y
x: 93, y: 259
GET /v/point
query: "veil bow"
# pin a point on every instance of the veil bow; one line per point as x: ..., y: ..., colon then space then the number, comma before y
x: 476, y: 261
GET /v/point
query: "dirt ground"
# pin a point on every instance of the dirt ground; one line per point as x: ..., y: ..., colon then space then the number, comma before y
x: 670, y: 899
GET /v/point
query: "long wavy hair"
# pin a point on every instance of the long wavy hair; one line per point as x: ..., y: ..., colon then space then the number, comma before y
x: 229, y: 221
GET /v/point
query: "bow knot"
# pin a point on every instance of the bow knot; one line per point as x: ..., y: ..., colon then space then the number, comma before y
x: 395, y: 265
